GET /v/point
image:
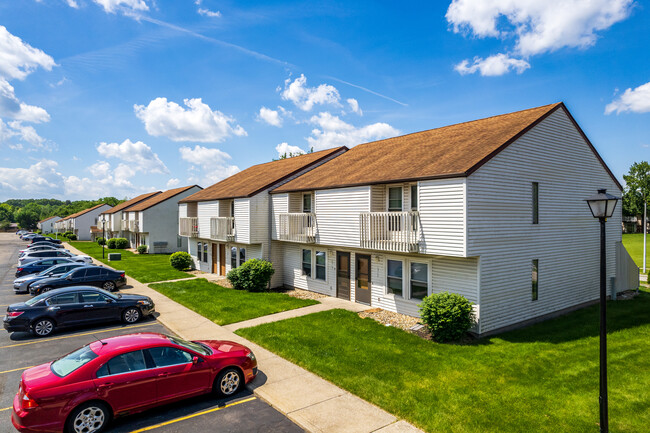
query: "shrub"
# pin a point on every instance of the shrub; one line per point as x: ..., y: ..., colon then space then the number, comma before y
x: 181, y: 261
x: 447, y: 315
x: 72, y: 237
x: 101, y: 241
x: 253, y: 275
x: 111, y: 243
x: 121, y: 243
x: 68, y: 234
x: 142, y: 249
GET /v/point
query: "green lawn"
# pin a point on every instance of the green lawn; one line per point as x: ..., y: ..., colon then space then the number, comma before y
x: 145, y: 268
x: 224, y: 306
x: 633, y: 243
x: 543, y: 378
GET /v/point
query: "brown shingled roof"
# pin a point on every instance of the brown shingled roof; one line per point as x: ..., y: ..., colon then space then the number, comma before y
x: 451, y: 151
x: 75, y: 215
x: 47, y: 219
x: 166, y: 195
x: 259, y: 177
x: 131, y: 202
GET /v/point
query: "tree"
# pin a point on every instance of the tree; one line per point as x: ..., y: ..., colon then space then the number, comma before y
x: 637, y: 185
x: 27, y: 218
x: 6, y: 212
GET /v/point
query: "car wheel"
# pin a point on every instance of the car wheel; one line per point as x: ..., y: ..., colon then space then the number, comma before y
x: 228, y: 382
x: 109, y: 286
x: 91, y: 417
x: 43, y: 327
x: 131, y: 315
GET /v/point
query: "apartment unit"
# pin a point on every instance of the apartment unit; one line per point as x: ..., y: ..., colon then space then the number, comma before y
x: 110, y: 221
x: 79, y: 223
x: 46, y: 226
x: 229, y: 222
x: 154, y: 221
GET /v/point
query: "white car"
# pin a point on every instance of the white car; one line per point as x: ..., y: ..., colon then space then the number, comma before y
x: 38, y: 255
x: 39, y: 248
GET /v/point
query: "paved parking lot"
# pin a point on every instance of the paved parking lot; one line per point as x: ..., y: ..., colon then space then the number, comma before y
x: 18, y: 351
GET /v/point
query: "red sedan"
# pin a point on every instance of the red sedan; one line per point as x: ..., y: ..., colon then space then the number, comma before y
x: 82, y: 391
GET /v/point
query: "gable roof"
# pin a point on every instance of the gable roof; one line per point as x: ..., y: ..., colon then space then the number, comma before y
x: 450, y: 151
x: 131, y: 202
x: 259, y: 177
x: 48, y: 218
x: 75, y: 215
x: 159, y: 198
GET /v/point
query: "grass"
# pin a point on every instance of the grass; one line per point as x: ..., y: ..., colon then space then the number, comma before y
x: 543, y: 378
x: 224, y: 306
x: 633, y: 243
x: 145, y: 268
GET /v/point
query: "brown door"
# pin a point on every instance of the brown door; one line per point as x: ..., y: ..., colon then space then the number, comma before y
x: 222, y: 259
x: 362, y: 286
x: 215, y: 263
x: 343, y: 275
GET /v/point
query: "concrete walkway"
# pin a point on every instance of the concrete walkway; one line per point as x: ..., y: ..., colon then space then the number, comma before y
x: 313, y: 403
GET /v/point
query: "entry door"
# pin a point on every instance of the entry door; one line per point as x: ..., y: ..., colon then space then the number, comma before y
x: 222, y: 259
x: 343, y: 275
x: 362, y: 286
x: 215, y: 263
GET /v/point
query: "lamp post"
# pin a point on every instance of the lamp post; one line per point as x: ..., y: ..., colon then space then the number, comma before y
x: 602, y: 206
x: 103, y: 235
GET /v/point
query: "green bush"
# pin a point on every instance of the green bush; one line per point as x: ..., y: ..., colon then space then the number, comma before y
x: 142, y: 249
x: 111, y: 243
x: 72, y: 237
x: 67, y: 234
x: 101, y: 241
x: 121, y: 243
x: 181, y: 261
x: 447, y: 315
x: 253, y: 275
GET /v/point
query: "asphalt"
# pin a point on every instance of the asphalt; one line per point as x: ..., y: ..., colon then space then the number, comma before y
x: 243, y: 413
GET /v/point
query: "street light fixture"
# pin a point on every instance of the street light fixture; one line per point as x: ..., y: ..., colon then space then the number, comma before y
x: 602, y: 206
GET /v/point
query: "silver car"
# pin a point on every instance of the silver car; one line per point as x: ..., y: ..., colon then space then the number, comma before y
x: 21, y: 284
x: 39, y: 248
x: 38, y: 255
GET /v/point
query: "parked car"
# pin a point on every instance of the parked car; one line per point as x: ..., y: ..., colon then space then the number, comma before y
x: 28, y: 236
x: 74, y: 306
x: 38, y: 255
x: 21, y: 232
x: 45, y: 243
x: 98, y: 276
x: 126, y: 374
x: 21, y: 284
x: 39, y: 238
x: 32, y: 249
x: 41, y: 265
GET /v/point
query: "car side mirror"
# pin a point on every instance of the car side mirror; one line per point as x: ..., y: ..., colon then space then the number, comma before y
x: 195, y: 360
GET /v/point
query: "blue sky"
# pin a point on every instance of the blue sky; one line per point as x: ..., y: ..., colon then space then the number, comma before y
x: 120, y: 97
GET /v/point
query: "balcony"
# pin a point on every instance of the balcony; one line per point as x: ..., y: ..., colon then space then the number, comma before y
x: 390, y: 231
x: 125, y: 225
x: 297, y: 227
x: 134, y: 226
x: 222, y: 228
x: 188, y: 227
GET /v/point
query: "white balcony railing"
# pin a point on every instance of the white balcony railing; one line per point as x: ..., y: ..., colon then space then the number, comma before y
x: 134, y: 226
x: 297, y: 227
x: 390, y: 231
x: 222, y: 228
x: 188, y: 227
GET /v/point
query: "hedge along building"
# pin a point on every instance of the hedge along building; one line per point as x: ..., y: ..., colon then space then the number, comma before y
x: 492, y: 209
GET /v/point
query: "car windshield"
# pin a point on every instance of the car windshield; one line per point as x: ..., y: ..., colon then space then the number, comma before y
x: 189, y: 345
x: 36, y: 299
x: 69, y: 363
x: 109, y: 294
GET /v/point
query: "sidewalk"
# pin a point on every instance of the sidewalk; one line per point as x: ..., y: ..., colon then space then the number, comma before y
x: 313, y: 403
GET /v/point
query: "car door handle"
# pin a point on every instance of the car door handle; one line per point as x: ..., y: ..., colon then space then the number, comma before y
x: 88, y: 306
x: 104, y: 385
x: 55, y: 308
x: 163, y: 375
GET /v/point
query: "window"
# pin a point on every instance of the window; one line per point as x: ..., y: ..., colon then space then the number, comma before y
x: 232, y: 208
x: 419, y: 281
x: 93, y: 272
x: 321, y: 273
x: 125, y: 363
x: 414, y: 197
x: 164, y: 356
x: 535, y: 203
x: 199, y: 249
x: 69, y: 363
x: 306, y: 262
x: 306, y: 203
x: 66, y: 298
x: 395, y: 199
x: 92, y: 297
x: 394, y: 276
x: 242, y: 256
x: 205, y: 252
x: 179, y: 242
x: 534, y: 275
x: 233, y: 257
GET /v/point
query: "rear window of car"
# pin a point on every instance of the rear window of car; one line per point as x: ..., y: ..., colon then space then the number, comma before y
x: 72, y: 361
x: 124, y: 363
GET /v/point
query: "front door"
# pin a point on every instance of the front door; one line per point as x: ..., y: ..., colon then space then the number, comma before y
x: 343, y: 275
x: 222, y: 259
x: 362, y: 286
x: 215, y: 263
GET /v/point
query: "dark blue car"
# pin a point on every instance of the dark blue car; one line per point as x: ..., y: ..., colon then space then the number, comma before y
x: 40, y: 265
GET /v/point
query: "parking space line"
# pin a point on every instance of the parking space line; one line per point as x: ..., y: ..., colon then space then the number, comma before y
x: 162, y: 424
x: 77, y: 335
x: 16, y: 369
x: 6, y: 408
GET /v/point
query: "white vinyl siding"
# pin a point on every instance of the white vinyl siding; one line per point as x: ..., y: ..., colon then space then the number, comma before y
x: 205, y: 211
x: 337, y: 214
x: 442, y: 215
x: 279, y: 204
x: 182, y: 210
x: 259, y: 221
x: 291, y: 265
x: 242, y: 220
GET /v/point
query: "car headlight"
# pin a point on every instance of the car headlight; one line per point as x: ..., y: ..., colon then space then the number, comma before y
x: 144, y: 302
x: 251, y: 356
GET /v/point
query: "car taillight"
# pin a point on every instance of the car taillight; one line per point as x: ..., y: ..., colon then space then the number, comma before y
x: 123, y: 275
x: 28, y: 402
x: 19, y: 269
x: 14, y: 313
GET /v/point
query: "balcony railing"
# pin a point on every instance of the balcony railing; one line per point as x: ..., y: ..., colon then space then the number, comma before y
x: 297, y: 227
x: 390, y: 231
x: 134, y: 226
x: 222, y: 228
x: 188, y: 227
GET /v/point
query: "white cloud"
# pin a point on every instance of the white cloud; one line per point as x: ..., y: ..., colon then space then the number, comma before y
x: 138, y: 155
x: 208, y: 13
x: 171, y: 183
x: 633, y: 100
x: 354, y: 106
x: 10, y: 106
x: 208, y: 165
x: 498, y: 64
x: 197, y: 123
x: 111, y: 6
x: 73, y: 4
x: 283, y: 148
x: 14, y: 134
x: 272, y: 117
x: 306, y: 97
x: 335, y: 132
x: 19, y: 59
x: 39, y: 179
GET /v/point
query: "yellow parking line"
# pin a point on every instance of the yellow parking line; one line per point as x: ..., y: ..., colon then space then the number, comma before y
x: 6, y: 408
x: 76, y: 335
x: 162, y: 424
x: 16, y: 369
x: 5, y: 305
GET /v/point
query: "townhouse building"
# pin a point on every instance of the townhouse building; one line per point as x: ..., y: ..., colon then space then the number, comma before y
x: 46, y: 226
x: 79, y: 223
x: 110, y: 221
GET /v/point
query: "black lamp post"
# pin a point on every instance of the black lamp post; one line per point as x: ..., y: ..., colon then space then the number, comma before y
x: 103, y: 235
x: 602, y: 206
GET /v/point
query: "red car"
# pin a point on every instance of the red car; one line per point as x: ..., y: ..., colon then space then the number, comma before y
x: 82, y: 391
